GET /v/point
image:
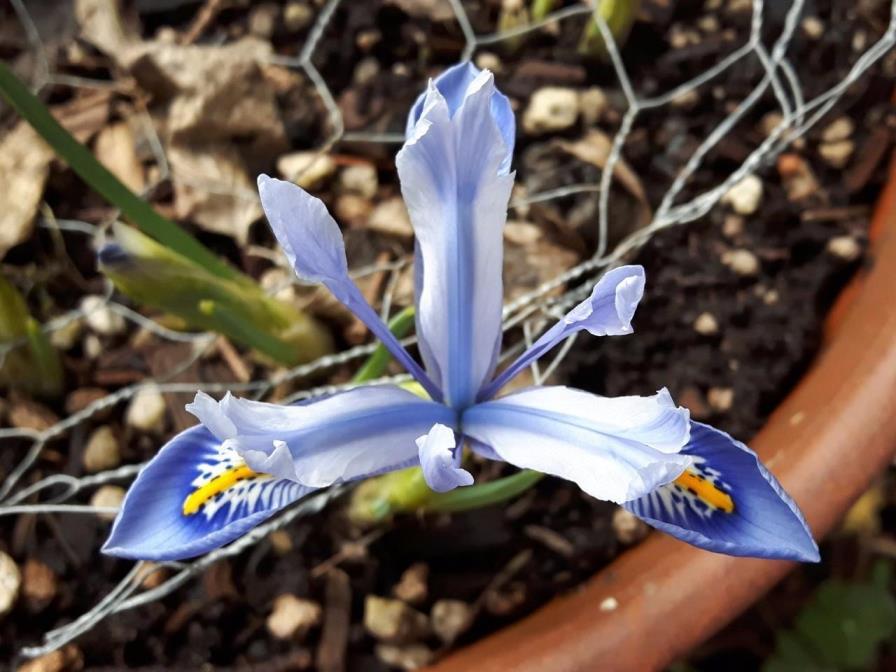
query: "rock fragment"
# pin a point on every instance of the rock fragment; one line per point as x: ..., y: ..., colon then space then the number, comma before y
x: 745, y: 196
x: 146, y: 411
x: 552, y: 108
x: 412, y: 587
x: 102, y: 450
x: 292, y: 617
x: 450, y: 619
x: 743, y: 262
x: 393, y: 621
x: 10, y: 583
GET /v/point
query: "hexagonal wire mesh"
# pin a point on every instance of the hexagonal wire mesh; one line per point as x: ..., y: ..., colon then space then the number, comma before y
x: 532, y: 311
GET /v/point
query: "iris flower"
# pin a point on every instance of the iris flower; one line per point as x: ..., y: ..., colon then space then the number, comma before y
x: 248, y: 459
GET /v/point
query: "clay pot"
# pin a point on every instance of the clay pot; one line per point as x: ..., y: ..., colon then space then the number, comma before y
x: 826, y: 443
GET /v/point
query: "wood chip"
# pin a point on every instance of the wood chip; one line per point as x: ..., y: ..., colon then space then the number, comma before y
x: 115, y: 148
x: 24, y: 167
x: 337, y: 618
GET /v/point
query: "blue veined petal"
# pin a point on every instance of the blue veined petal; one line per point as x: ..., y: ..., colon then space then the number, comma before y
x: 312, y: 242
x: 193, y: 497
x: 354, y: 434
x: 440, y: 460
x: 607, y: 312
x: 615, y: 449
x: 453, y: 84
x: 728, y: 502
x: 451, y: 179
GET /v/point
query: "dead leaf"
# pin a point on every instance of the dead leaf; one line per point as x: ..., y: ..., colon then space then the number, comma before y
x: 594, y: 148
x: 435, y: 10
x: 24, y: 167
x: 85, y: 114
x: 116, y: 149
x: 530, y: 259
x: 212, y: 188
x: 216, y: 93
x: 102, y: 26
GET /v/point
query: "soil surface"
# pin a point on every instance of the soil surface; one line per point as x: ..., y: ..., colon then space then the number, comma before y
x: 731, y: 319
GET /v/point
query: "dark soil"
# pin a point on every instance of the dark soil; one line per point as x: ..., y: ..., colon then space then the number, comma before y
x: 505, y: 561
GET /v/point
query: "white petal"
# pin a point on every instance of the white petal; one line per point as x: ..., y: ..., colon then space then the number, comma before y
x: 457, y: 195
x: 439, y: 458
x: 350, y: 435
x: 615, y: 449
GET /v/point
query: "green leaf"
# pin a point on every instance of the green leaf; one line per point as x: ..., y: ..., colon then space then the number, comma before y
x: 28, y: 360
x: 841, y: 629
x: 157, y: 276
x: 82, y: 161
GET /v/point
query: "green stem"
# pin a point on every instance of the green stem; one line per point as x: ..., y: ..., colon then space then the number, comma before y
x: 80, y: 159
x: 619, y: 16
x: 244, y: 331
x: 376, y: 364
x: 540, y: 9
x: 483, y: 494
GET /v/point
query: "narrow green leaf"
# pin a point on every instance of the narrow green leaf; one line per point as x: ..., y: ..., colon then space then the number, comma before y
x: 82, y: 161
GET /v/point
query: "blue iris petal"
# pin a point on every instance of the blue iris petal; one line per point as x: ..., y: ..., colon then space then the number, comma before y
x: 453, y: 85
x: 730, y: 503
x: 152, y: 524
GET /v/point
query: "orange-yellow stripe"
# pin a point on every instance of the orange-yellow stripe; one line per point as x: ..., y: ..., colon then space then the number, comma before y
x: 219, y: 483
x: 706, y: 490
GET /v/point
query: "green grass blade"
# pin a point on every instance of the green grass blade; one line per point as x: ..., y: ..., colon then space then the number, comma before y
x: 82, y: 161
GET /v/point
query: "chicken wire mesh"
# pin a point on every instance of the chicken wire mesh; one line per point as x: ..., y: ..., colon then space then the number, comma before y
x: 527, y: 315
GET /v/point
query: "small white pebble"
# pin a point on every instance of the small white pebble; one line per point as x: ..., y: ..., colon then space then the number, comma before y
x: 292, y: 617
x: 306, y: 169
x: 720, y: 398
x: 593, y: 103
x: 846, y: 248
x: 10, y: 583
x: 686, y: 100
x: 93, y: 346
x: 391, y: 217
x: 102, y: 451
x: 769, y: 122
x: 297, y: 15
x: 107, y: 496
x: 609, y: 604
x: 742, y: 262
x: 450, y: 619
x: 813, y: 27
x: 146, y: 411
x: 627, y: 527
x: 839, y: 129
x: 360, y: 179
x: 745, y: 196
x: 837, y: 154
x: 100, y: 318
x: 486, y: 60
x: 706, y: 324
x: 552, y: 108
x: 67, y: 336
x: 733, y: 226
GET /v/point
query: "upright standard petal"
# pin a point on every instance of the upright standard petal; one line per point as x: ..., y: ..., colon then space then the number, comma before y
x: 312, y: 242
x: 615, y: 449
x: 354, y: 434
x: 440, y: 460
x: 607, y: 312
x: 453, y: 84
x: 193, y: 497
x: 728, y: 502
x: 457, y: 194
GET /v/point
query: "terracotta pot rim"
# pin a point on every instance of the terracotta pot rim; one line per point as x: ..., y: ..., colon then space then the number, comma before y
x: 826, y: 442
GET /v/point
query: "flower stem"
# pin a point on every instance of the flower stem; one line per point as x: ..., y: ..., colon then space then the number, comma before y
x: 483, y: 494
